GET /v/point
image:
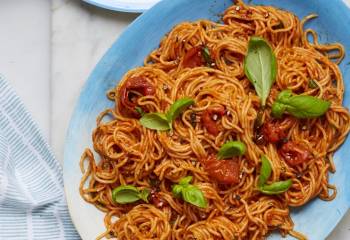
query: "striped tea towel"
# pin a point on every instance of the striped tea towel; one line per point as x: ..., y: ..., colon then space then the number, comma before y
x: 32, y: 203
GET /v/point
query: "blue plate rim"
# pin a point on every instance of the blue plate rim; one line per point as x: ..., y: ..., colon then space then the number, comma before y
x: 117, y: 8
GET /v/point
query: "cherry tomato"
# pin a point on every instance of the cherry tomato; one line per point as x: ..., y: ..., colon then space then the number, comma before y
x: 130, y: 91
x: 193, y: 58
x: 294, y: 153
x: 209, y: 119
x: 273, y: 132
x: 223, y: 171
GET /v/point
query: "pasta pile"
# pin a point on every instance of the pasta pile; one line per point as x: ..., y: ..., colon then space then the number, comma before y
x: 226, y: 108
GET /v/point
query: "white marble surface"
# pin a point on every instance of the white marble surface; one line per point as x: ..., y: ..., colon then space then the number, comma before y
x: 25, y: 54
x: 80, y: 36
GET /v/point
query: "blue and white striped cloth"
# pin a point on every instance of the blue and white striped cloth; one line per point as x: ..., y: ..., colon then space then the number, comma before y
x: 32, y: 203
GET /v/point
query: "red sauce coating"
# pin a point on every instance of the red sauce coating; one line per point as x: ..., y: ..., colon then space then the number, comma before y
x: 193, y: 58
x: 208, y: 121
x: 135, y: 84
x: 294, y: 153
x: 273, y: 132
x: 155, y: 199
x: 223, y: 171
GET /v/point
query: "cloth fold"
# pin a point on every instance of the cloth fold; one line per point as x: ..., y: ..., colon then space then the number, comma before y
x: 32, y: 202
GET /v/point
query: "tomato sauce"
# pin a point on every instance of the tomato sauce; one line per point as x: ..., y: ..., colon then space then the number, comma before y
x: 193, y: 58
x: 209, y: 121
x: 273, y: 132
x: 294, y: 153
x: 223, y: 171
x: 128, y: 101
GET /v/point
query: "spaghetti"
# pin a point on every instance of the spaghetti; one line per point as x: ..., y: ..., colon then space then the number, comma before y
x: 226, y: 108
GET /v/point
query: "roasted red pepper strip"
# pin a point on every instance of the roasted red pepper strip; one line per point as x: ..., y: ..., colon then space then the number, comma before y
x: 193, y: 58
x: 273, y: 132
x: 223, y: 171
x: 208, y: 121
x: 294, y: 153
x: 135, y: 84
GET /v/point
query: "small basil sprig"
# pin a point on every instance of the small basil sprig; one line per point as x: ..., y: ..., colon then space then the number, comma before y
x: 300, y: 106
x: 273, y: 188
x: 189, y: 193
x: 163, y: 122
x: 156, y: 121
x: 178, y: 107
x: 206, y: 56
x: 265, y: 171
x: 231, y: 149
x: 128, y: 194
x: 276, y: 187
x: 260, y: 67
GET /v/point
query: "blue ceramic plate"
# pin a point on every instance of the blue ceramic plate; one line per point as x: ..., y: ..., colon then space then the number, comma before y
x: 316, y: 219
x: 124, y: 5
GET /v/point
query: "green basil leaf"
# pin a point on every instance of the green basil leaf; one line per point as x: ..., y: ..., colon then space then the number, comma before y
x: 177, y: 190
x: 178, y: 107
x: 206, y: 56
x: 194, y: 195
x: 139, y: 111
x: 125, y: 194
x: 307, y: 106
x: 185, y: 180
x: 285, y: 95
x: 231, y: 149
x: 265, y: 171
x: 260, y: 67
x: 312, y: 84
x: 278, y: 109
x: 156, y: 121
x: 300, y: 106
x: 144, y: 194
x: 276, y: 187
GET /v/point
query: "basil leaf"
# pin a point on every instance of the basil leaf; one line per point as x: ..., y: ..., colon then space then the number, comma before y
x: 260, y: 67
x: 144, y: 195
x: 139, y: 111
x: 177, y: 190
x: 156, y: 121
x: 206, y: 56
x: 178, y: 107
x: 285, y: 95
x: 276, y: 187
x: 194, y: 195
x: 307, y: 106
x: 278, y: 109
x: 125, y: 194
x: 231, y: 149
x: 312, y: 84
x: 265, y: 171
x: 185, y: 180
x: 300, y: 106
x: 161, y: 122
x: 189, y: 192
